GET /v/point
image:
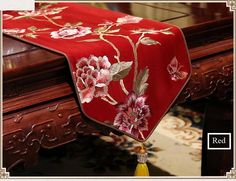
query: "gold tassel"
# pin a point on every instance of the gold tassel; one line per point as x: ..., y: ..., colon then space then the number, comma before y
x: 142, y: 168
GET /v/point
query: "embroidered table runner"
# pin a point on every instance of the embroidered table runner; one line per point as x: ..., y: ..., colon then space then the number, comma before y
x: 127, y: 70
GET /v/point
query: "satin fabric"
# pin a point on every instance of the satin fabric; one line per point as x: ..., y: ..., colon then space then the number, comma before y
x: 162, y: 52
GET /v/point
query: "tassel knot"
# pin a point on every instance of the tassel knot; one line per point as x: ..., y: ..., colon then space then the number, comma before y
x: 142, y: 156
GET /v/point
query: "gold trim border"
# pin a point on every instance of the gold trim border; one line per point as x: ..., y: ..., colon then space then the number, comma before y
x: 231, y: 174
x: 231, y: 4
x: 4, y: 174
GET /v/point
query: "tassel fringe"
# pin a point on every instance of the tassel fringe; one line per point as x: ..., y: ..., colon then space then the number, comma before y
x: 142, y: 168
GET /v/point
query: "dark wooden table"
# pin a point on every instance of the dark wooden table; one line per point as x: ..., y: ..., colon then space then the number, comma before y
x: 40, y: 108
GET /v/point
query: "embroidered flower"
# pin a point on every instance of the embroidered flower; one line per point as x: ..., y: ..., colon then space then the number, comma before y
x: 132, y: 116
x: 128, y: 19
x: 41, y: 12
x: 7, y: 16
x: 93, y: 77
x: 142, y: 30
x: 70, y: 32
x: 14, y: 31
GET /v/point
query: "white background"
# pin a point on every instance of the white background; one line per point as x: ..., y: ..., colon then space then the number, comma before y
x: 16, y: 4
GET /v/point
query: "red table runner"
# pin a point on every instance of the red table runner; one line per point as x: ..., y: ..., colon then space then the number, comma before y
x: 127, y: 70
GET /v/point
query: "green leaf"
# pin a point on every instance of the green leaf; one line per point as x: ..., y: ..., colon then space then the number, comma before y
x: 100, y: 30
x: 43, y: 29
x: 166, y: 31
x: 89, y: 40
x: 60, y: 8
x: 140, y: 84
x: 149, y: 41
x: 115, y: 69
x: 19, y: 36
x: 67, y: 25
x: 31, y: 35
x: 56, y: 17
x: 20, y: 17
x: 120, y: 70
x: 79, y: 23
x: 32, y: 28
x: 113, y: 31
x: 45, y: 6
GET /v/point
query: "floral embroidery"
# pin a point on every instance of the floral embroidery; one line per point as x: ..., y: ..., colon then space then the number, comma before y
x: 93, y: 74
x: 14, y: 31
x: 106, y: 23
x: 70, y: 33
x: 30, y: 32
x: 29, y: 13
x: 93, y: 77
x: 66, y: 31
x: 166, y: 31
x: 174, y: 69
x: 128, y: 19
x: 152, y: 31
x: 142, y: 30
x: 7, y: 16
x: 132, y: 115
x: 40, y: 12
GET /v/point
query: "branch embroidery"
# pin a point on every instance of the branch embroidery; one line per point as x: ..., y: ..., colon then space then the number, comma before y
x: 94, y: 73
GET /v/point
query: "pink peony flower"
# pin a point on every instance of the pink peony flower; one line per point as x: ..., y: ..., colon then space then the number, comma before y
x: 128, y: 19
x: 93, y: 77
x: 132, y: 116
x: 70, y: 32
